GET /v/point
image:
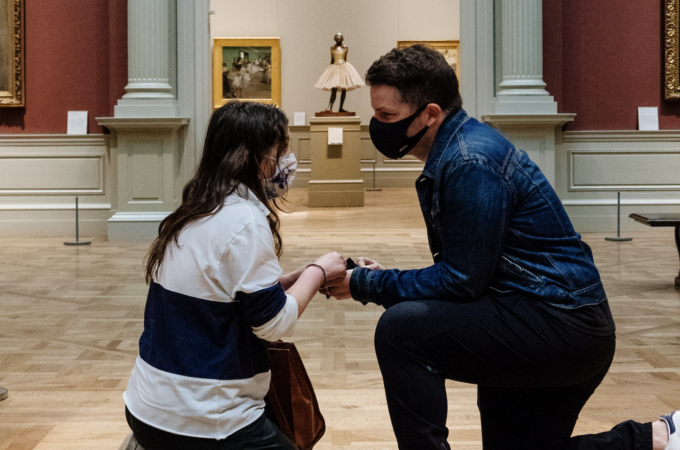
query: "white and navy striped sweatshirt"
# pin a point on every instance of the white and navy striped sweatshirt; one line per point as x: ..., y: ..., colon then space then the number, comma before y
x: 202, y: 368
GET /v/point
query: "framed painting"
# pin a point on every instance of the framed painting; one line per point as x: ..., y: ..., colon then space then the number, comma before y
x: 246, y: 69
x: 671, y: 50
x: 449, y: 49
x: 12, y: 53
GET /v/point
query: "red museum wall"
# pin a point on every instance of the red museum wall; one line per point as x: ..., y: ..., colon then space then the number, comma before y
x: 602, y: 59
x: 76, y: 60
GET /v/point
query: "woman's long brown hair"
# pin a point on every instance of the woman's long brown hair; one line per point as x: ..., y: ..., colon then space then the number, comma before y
x: 240, y: 135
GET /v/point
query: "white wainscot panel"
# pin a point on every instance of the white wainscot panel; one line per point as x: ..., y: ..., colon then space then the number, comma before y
x: 41, y: 174
x: 52, y: 165
x: 305, y: 146
x: 624, y: 170
x: 534, y: 147
x: 146, y: 170
x: 368, y: 150
x: 51, y: 175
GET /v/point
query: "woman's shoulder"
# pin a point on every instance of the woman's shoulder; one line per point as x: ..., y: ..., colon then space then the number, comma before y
x: 241, y: 208
x: 238, y: 211
x: 215, y: 234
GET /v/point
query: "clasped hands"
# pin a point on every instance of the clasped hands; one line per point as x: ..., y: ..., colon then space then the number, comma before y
x: 336, y: 275
x: 338, y: 286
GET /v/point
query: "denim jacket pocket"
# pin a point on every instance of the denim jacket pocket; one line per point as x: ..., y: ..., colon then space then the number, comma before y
x: 525, y: 277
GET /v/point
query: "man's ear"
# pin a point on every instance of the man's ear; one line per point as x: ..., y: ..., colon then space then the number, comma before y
x: 434, y: 112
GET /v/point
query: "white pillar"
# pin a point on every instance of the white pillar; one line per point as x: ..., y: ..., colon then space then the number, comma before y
x: 149, y: 129
x: 149, y: 93
x: 522, y: 90
x: 525, y: 112
x: 148, y: 67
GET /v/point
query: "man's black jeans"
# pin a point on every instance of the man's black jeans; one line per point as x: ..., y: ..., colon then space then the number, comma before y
x: 534, y: 374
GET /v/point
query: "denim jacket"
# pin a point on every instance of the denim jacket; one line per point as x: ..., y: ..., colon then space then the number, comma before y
x: 494, y: 224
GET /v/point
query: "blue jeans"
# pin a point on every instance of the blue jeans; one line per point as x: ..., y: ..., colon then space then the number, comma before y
x: 259, y: 435
x: 534, y: 374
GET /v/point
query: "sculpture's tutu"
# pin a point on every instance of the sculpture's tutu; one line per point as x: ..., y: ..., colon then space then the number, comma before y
x: 340, y: 76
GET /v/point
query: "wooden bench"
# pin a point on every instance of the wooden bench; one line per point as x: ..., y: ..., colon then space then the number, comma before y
x: 662, y: 220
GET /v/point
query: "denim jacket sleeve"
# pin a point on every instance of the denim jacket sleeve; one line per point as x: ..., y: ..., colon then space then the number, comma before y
x: 475, y: 202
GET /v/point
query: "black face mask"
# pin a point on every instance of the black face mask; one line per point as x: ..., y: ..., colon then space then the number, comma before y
x: 390, y: 138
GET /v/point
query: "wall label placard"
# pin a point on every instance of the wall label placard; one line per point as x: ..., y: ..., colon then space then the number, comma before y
x: 334, y: 135
x: 77, y: 122
x: 648, y: 118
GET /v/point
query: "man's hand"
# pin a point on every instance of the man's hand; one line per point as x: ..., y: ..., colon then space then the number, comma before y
x: 339, y: 287
x: 369, y: 264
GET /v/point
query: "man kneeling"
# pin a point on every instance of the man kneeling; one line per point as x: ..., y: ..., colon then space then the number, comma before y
x: 513, y: 302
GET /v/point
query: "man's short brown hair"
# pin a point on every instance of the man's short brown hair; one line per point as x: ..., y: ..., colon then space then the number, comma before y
x: 420, y: 74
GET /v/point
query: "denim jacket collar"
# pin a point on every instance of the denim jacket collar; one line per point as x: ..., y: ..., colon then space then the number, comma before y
x: 447, y: 131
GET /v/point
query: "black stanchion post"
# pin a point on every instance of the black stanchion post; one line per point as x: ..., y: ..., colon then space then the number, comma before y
x: 618, y: 237
x: 374, y: 189
x: 77, y: 242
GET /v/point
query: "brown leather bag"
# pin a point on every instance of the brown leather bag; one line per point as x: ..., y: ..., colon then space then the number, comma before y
x: 291, y: 403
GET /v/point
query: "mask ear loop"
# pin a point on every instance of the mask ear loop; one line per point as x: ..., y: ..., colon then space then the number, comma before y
x: 277, y: 161
x: 419, y: 111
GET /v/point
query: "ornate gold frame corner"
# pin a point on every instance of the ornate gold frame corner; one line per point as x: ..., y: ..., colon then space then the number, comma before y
x: 16, y: 95
x: 439, y: 46
x: 671, y: 49
x: 274, y: 43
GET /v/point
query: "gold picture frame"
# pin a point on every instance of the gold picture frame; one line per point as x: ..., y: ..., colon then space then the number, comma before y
x: 246, y: 69
x: 671, y: 50
x: 12, y: 90
x: 449, y: 49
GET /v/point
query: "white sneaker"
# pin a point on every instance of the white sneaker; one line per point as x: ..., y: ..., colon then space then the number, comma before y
x: 672, y: 423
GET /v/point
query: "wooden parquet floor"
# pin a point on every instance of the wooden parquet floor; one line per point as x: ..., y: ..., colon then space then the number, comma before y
x: 70, y: 318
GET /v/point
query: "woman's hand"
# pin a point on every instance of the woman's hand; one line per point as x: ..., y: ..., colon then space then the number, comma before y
x: 334, y: 265
x: 369, y: 264
x: 310, y: 279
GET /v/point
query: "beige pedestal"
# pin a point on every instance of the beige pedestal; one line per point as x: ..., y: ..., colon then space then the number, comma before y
x: 335, y: 169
